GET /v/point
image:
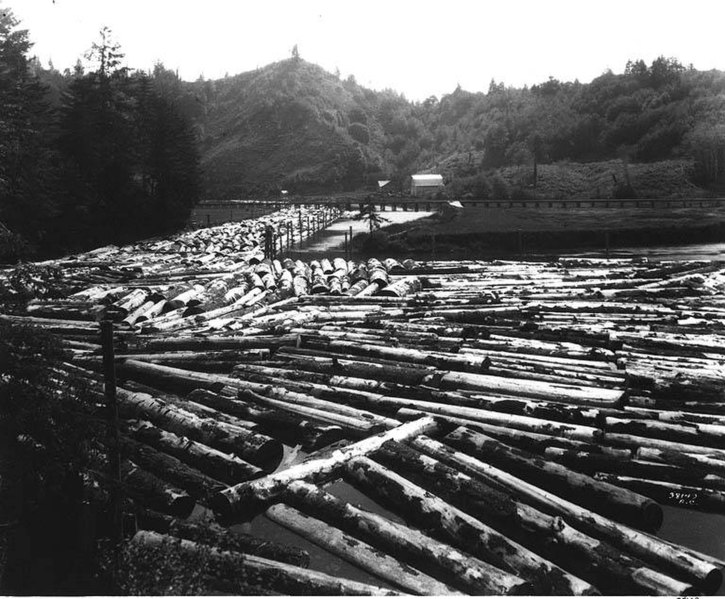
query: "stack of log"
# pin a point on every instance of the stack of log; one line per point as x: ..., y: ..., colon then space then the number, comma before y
x: 518, y: 424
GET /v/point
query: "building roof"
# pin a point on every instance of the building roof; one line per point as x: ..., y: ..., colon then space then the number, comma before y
x: 428, y: 179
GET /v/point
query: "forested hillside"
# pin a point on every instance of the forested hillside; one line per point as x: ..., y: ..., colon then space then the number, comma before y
x: 293, y: 125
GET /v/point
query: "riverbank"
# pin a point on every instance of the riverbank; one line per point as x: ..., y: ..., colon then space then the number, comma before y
x: 516, y: 232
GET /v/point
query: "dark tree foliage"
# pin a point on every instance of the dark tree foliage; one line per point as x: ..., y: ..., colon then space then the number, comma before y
x: 90, y: 157
x: 131, y: 155
x: 369, y: 213
x: 359, y: 133
x: 27, y: 159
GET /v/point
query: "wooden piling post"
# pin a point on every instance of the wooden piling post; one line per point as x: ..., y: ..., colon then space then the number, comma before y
x: 114, y: 458
x: 606, y: 243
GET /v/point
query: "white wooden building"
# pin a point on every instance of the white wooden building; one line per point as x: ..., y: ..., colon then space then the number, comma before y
x: 421, y: 185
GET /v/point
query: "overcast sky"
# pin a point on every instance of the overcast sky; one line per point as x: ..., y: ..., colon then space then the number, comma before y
x: 417, y: 47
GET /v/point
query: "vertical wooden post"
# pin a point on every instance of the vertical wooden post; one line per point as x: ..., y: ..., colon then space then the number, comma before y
x: 208, y: 219
x: 114, y: 458
x: 345, y: 246
x: 299, y: 215
x: 350, y: 238
x: 606, y: 243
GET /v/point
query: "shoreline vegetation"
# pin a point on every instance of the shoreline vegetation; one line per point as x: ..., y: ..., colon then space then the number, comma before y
x: 514, y: 231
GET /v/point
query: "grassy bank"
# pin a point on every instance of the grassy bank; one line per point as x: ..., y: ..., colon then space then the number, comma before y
x: 507, y: 231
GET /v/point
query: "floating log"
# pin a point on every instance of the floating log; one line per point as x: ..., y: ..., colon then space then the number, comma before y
x: 129, y: 302
x: 211, y: 343
x: 587, y: 434
x: 402, y: 287
x: 592, y: 463
x: 247, y: 497
x: 276, y: 423
x: 188, y: 404
x: 615, y: 502
x: 701, y: 463
x: 224, y: 467
x: 635, y: 443
x: 155, y: 493
x: 167, y: 467
x: 678, y: 562
x: 356, y: 427
x: 529, y: 388
x: 276, y: 575
x: 689, y: 497
x: 442, y: 520
x: 540, y: 443
x: 364, y: 420
x: 222, y: 538
x: 454, y: 567
x: 708, y: 435
x: 359, y: 553
x: 399, y: 354
x: 171, y: 378
x: 258, y: 449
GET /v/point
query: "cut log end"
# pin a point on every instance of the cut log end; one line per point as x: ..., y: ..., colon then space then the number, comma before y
x: 222, y: 507
x: 713, y: 581
x: 652, y: 516
x: 269, y: 455
x: 182, y: 506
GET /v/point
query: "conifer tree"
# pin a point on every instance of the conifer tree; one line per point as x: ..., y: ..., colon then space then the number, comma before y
x: 26, y: 173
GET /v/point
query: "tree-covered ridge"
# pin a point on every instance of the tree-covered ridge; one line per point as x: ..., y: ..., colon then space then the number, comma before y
x: 89, y: 158
x: 293, y: 125
x: 103, y: 154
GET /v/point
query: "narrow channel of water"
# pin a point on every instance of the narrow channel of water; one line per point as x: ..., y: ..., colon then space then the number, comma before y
x: 697, y: 530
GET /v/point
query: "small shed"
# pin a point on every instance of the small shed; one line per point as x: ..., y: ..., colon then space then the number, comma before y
x: 421, y: 185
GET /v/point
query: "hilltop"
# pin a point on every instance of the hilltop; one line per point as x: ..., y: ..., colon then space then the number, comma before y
x: 290, y: 124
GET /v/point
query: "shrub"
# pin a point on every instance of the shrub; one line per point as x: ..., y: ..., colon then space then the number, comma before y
x: 359, y: 133
x: 12, y: 246
x: 499, y: 188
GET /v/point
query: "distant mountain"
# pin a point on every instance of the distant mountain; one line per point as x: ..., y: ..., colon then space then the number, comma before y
x: 292, y: 125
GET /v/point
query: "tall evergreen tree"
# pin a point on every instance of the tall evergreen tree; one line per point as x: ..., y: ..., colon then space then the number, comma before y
x: 132, y: 163
x: 26, y: 160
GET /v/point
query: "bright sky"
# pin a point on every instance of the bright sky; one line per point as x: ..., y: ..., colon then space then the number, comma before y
x: 417, y: 47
